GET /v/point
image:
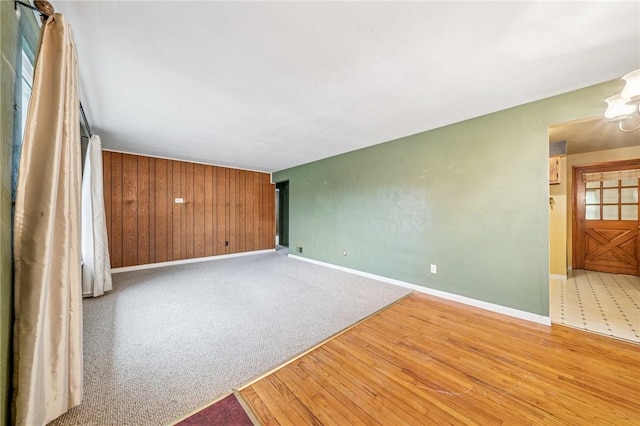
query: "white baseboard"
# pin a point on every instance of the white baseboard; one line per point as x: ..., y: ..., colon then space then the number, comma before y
x: 505, y: 310
x: 557, y: 277
x: 184, y: 261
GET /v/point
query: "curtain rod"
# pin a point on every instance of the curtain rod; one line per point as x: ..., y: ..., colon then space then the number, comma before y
x: 84, y: 119
x: 43, y: 7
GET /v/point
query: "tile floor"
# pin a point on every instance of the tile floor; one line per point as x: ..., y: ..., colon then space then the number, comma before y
x: 604, y: 303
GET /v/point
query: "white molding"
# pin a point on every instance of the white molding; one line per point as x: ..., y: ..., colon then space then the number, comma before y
x: 185, y: 261
x: 557, y: 277
x: 505, y: 310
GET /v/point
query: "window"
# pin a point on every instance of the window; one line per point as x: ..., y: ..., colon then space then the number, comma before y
x: 22, y: 95
x: 612, y: 199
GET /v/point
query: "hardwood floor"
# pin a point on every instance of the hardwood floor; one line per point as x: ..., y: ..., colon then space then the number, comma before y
x: 430, y: 361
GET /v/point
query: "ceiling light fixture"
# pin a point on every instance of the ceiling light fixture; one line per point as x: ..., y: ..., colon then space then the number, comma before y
x: 621, y: 106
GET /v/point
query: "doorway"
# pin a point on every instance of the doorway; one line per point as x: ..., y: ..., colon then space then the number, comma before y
x: 579, y: 295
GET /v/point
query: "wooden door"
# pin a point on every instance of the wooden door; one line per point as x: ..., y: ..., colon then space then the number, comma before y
x: 606, y: 226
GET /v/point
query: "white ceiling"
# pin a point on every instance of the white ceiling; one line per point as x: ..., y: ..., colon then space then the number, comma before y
x: 270, y: 85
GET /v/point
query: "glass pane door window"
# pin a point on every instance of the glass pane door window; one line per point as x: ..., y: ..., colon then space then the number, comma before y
x: 612, y: 199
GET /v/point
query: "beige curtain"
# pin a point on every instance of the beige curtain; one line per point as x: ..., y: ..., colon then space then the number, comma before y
x: 48, y: 287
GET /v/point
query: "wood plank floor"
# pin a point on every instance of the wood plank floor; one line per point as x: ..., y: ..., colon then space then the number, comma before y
x: 430, y: 361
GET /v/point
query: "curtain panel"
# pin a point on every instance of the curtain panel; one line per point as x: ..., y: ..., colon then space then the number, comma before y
x: 96, y: 267
x: 47, y: 286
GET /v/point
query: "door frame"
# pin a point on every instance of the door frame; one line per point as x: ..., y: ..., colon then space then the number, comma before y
x: 578, y: 189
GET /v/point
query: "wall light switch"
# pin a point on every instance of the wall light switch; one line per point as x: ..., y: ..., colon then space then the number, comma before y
x: 344, y: 252
x: 434, y: 269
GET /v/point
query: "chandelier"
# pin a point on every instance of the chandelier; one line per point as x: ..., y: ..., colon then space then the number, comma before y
x: 622, y: 106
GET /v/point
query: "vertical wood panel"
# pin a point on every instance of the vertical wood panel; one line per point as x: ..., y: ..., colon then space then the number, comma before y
x: 242, y: 211
x: 227, y: 209
x: 266, y: 226
x: 258, y: 211
x: 107, y: 181
x: 221, y: 174
x: 176, y: 210
x: 264, y: 213
x: 232, y: 212
x: 257, y: 226
x: 152, y: 210
x: 190, y: 207
x: 208, y: 211
x: 198, y: 218
x: 116, y: 209
x: 214, y: 190
x: 261, y: 221
x: 250, y: 202
x: 143, y: 210
x: 130, y: 210
x: 169, y: 209
x: 183, y: 222
x: 161, y: 211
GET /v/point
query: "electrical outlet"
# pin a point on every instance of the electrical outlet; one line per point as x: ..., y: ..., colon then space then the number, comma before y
x: 344, y: 252
x: 434, y: 269
x: 299, y: 249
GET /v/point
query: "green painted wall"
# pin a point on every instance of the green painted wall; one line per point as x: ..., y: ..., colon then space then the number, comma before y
x: 10, y: 30
x: 471, y: 198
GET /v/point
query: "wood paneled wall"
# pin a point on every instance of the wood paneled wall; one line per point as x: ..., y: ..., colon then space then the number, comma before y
x: 224, y: 211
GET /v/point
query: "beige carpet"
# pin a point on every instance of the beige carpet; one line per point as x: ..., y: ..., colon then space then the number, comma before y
x: 168, y: 340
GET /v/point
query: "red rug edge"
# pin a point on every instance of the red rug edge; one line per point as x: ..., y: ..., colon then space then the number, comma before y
x: 228, y: 411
